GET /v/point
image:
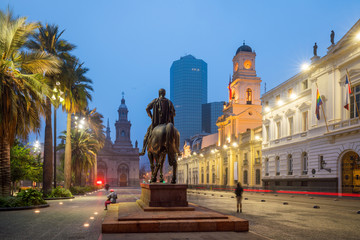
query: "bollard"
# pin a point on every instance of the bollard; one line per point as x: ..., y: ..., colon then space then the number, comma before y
x: 358, y: 212
x: 263, y: 200
x: 212, y: 194
x: 232, y: 196
x: 221, y: 195
x: 246, y: 198
x: 316, y: 206
x: 285, y: 203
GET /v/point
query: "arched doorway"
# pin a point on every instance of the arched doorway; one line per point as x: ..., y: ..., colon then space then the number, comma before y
x: 123, y: 175
x: 350, y: 177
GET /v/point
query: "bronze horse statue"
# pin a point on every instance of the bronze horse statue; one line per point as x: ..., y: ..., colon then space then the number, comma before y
x: 164, y: 140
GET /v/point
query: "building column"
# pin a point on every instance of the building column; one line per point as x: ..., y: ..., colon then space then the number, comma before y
x: 231, y: 167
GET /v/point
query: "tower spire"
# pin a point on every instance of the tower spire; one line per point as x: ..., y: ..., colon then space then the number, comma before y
x: 108, y: 131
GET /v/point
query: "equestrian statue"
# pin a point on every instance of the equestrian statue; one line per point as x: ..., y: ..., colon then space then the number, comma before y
x: 161, y: 138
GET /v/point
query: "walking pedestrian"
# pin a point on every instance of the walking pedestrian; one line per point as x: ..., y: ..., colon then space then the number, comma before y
x: 238, y: 192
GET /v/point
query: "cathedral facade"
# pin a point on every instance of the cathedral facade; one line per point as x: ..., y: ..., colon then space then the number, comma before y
x: 118, y: 162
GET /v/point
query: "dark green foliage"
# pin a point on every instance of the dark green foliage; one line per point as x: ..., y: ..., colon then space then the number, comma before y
x: 24, y: 164
x: 59, y: 192
x: 28, y: 197
x: 76, y: 190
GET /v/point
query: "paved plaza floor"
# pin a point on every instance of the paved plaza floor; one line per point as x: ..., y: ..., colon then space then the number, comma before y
x: 81, y: 218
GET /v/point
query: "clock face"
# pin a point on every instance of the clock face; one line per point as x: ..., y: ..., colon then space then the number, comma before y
x: 247, y: 64
x: 236, y: 67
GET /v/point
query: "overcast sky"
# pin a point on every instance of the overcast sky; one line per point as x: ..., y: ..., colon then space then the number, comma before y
x: 130, y: 45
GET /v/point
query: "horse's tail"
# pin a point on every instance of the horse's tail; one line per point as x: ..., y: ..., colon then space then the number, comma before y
x: 169, y: 135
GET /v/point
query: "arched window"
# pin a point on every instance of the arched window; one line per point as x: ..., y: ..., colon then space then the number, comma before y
x: 290, y: 164
x: 123, y: 133
x: 245, y: 177
x: 248, y: 96
x: 304, y: 163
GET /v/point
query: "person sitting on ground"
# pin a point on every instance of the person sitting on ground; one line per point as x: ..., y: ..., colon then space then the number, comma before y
x: 111, y: 198
x: 239, y: 191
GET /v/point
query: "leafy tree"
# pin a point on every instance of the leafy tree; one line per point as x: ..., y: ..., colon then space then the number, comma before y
x: 21, y: 87
x: 77, y: 94
x: 24, y: 165
x: 48, y: 40
x: 83, y: 151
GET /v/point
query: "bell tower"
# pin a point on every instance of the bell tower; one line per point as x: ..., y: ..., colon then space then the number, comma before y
x: 123, y: 126
x: 245, y: 85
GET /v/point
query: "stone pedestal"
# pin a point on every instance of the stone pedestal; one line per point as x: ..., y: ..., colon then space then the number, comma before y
x: 164, y: 195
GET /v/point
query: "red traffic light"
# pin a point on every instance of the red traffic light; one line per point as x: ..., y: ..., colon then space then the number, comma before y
x: 99, y: 182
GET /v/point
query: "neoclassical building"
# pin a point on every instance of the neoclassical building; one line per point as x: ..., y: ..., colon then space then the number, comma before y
x: 303, y: 152
x: 118, y: 162
x: 234, y: 153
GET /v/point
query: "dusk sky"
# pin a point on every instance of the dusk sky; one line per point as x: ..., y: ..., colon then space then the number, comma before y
x: 129, y: 46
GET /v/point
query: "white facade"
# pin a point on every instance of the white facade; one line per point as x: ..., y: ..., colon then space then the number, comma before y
x: 298, y: 151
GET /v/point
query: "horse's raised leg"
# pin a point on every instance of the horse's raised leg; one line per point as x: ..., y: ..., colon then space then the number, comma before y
x: 154, y: 175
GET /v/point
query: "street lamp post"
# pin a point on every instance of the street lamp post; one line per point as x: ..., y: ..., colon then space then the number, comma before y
x: 56, y: 96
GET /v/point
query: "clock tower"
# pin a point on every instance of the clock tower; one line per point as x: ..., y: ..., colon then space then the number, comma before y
x: 243, y: 111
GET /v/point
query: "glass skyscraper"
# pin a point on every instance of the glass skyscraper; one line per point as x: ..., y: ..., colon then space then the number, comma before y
x: 188, y: 91
x: 210, y: 113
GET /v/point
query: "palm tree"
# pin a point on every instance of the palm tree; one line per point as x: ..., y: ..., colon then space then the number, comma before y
x: 95, y: 122
x: 83, y: 152
x: 47, y: 40
x: 77, y: 94
x: 21, y: 87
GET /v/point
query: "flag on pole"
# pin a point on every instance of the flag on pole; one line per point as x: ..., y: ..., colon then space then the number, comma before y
x: 318, y: 103
x: 348, y: 92
x: 230, y: 92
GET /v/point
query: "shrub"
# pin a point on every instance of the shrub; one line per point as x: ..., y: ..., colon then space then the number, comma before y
x: 59, y: 192
x: 28, y: 197
x: 76, y: 190
x: 31, y: 197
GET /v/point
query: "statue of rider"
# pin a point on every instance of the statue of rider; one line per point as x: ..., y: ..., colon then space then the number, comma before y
x: 163, y: 112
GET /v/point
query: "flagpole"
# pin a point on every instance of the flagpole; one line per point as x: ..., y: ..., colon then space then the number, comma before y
x: 322, y: 108
x: 357, y: 108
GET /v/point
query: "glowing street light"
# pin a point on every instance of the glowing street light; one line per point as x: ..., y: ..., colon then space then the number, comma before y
x: 235, y: 144
x: 280, y: 102
x: 267, y: 109
x: 293, y: 96
x: 305, y: 66
x: 225, y: 146
x: 358, y: 36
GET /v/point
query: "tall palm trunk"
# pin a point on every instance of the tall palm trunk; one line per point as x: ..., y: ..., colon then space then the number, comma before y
x: 77, y: 175
x: 67, y: 162
x: 95, y: 171
x: 48, y: 150
x: 5, y: 181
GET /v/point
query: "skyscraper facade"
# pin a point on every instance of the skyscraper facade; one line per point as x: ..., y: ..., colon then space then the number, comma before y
x: 210, y: 113
x: 188, y: 91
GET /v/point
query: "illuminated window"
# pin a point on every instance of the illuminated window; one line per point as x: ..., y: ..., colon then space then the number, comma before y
x: 267, y: 132
x: 277, y: 98
x: 248, y: 96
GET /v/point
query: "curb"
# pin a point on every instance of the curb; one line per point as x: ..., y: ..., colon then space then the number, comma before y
x: 60, y: 198
x: 25, y: 207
